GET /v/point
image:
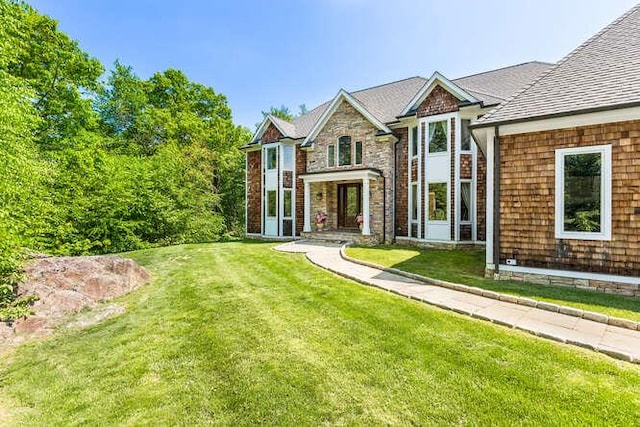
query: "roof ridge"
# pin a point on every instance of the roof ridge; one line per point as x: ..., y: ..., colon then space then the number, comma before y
x: 503, y: 68
x: 571, y: 54
x: 484, y: 93
x: 385, y: 84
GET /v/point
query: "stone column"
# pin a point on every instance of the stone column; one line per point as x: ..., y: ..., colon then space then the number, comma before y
x: 307, y: 207
x: 366, y: 228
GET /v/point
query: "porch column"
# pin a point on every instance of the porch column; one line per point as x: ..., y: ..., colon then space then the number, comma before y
x: 307, y: 207
x: 366, y: 228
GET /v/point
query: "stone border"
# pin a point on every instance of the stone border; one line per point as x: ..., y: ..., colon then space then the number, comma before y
x: 569, y: 311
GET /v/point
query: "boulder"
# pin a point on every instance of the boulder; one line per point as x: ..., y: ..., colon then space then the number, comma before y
x: 67, y: 285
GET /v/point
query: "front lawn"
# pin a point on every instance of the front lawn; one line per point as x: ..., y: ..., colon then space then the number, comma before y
x: 237, y: 334
x: 467, y: 268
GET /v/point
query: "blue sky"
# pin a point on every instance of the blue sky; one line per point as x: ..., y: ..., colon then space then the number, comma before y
x: 264, y: 53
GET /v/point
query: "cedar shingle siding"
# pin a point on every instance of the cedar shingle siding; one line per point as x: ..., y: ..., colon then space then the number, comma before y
x: 527, y: 199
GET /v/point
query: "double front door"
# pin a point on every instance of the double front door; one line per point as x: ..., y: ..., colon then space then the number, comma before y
x: 349, y: 205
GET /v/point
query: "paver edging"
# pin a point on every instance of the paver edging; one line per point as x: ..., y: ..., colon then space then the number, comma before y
x: 555, y: 308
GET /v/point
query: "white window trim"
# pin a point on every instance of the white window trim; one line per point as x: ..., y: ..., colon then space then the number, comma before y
x: 428, y: 207
x: 605, y: 193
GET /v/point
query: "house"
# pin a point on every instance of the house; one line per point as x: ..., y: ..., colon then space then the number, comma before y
x: 398, y: 157
x: 563, y: 178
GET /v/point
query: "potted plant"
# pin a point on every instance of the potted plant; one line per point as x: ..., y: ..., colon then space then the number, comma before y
x: 321, y: 219
x: 360, y: 220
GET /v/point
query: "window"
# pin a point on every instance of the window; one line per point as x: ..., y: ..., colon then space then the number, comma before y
x: 287, y: 157
x: 287, y: 203
x: 583, y: 193
x: 358, y: 160
x: 438, y: 201
x: 438, y: 132
x: 331, y: 155
x: 272, y: 203
x: 465, y: 201
x: 414, y: 201
x: 465, y: 139
x: 272, y: 158
x: 414, y: 141
x: 344, y: 151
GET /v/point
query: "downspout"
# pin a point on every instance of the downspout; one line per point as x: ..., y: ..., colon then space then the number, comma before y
x: 496, y: 200
x: 393, y: 193
x: 384, y: 208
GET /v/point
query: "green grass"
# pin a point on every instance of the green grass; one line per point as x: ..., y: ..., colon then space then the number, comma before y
x: 237, y: 334
x: 467, y: 267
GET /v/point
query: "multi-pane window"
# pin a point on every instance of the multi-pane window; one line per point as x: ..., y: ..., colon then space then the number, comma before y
x: 438, y: 201
x: 272, y: 158
x: 287, y: 203
x: 414, y: 141
x: 358, y: 154
x: 331, y: 155
x: 438, y: 132
x: 465, y: 135
x: 583, y: 193
x: 465, y: 201
x: 344, y: 151
x: 272, y: 203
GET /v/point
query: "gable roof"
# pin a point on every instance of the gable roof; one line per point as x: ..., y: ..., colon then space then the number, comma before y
x: 384, y: 103
x: 437, y: 79
x: 604, y: 72
x: 337, y: 100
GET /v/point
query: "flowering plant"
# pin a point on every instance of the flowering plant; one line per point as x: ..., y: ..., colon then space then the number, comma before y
x: 360, y: 218
x: 321, y: 217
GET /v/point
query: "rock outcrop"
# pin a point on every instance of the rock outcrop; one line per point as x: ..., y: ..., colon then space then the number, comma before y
x: 67, y: 285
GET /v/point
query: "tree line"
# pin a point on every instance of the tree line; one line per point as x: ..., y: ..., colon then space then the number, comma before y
x: 96, y: 163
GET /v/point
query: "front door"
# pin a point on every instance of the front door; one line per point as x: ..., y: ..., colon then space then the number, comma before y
x: 349, y: 205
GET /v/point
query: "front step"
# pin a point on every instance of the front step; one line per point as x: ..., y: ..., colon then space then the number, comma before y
x: 340, y: 237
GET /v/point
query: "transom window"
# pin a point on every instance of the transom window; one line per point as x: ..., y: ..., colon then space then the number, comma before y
x: 344, y: 151
x: 583, y: 193
x: 438, y: 132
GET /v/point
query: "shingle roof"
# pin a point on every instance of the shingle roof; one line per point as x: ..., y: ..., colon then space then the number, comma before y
x: 604, y: 72
x: 387, y: 101
x: 494, y: 87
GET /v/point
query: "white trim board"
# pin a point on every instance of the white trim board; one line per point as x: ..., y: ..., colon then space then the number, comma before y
x: 340, y: 176
x: 571, y: 274
x: 601, y: 117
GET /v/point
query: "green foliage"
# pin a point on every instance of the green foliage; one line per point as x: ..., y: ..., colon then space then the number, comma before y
x: 281, y: 113
x: 91, y: 167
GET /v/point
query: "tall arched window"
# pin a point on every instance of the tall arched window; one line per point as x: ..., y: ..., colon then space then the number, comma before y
x: 344, y: 151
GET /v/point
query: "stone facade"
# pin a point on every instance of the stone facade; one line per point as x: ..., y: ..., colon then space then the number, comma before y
x: 254, y: 192
x: 376, y: 154
x: 527, y: 201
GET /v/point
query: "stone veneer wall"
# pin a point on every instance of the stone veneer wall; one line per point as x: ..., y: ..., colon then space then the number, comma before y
x: 254, y: 192
x: 346, y: 120
x: 527, y: 188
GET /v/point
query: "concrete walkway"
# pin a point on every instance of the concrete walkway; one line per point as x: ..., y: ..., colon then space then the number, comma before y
x: 614, y: 341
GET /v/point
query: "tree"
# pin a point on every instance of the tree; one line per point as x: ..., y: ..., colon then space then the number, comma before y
x: 63, y: 77
x: 281, y: 113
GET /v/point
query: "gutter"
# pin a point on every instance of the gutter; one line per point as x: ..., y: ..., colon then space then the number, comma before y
x: 496, y: 199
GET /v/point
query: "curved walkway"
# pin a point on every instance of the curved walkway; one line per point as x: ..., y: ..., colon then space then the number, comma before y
x: 614, y: 341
